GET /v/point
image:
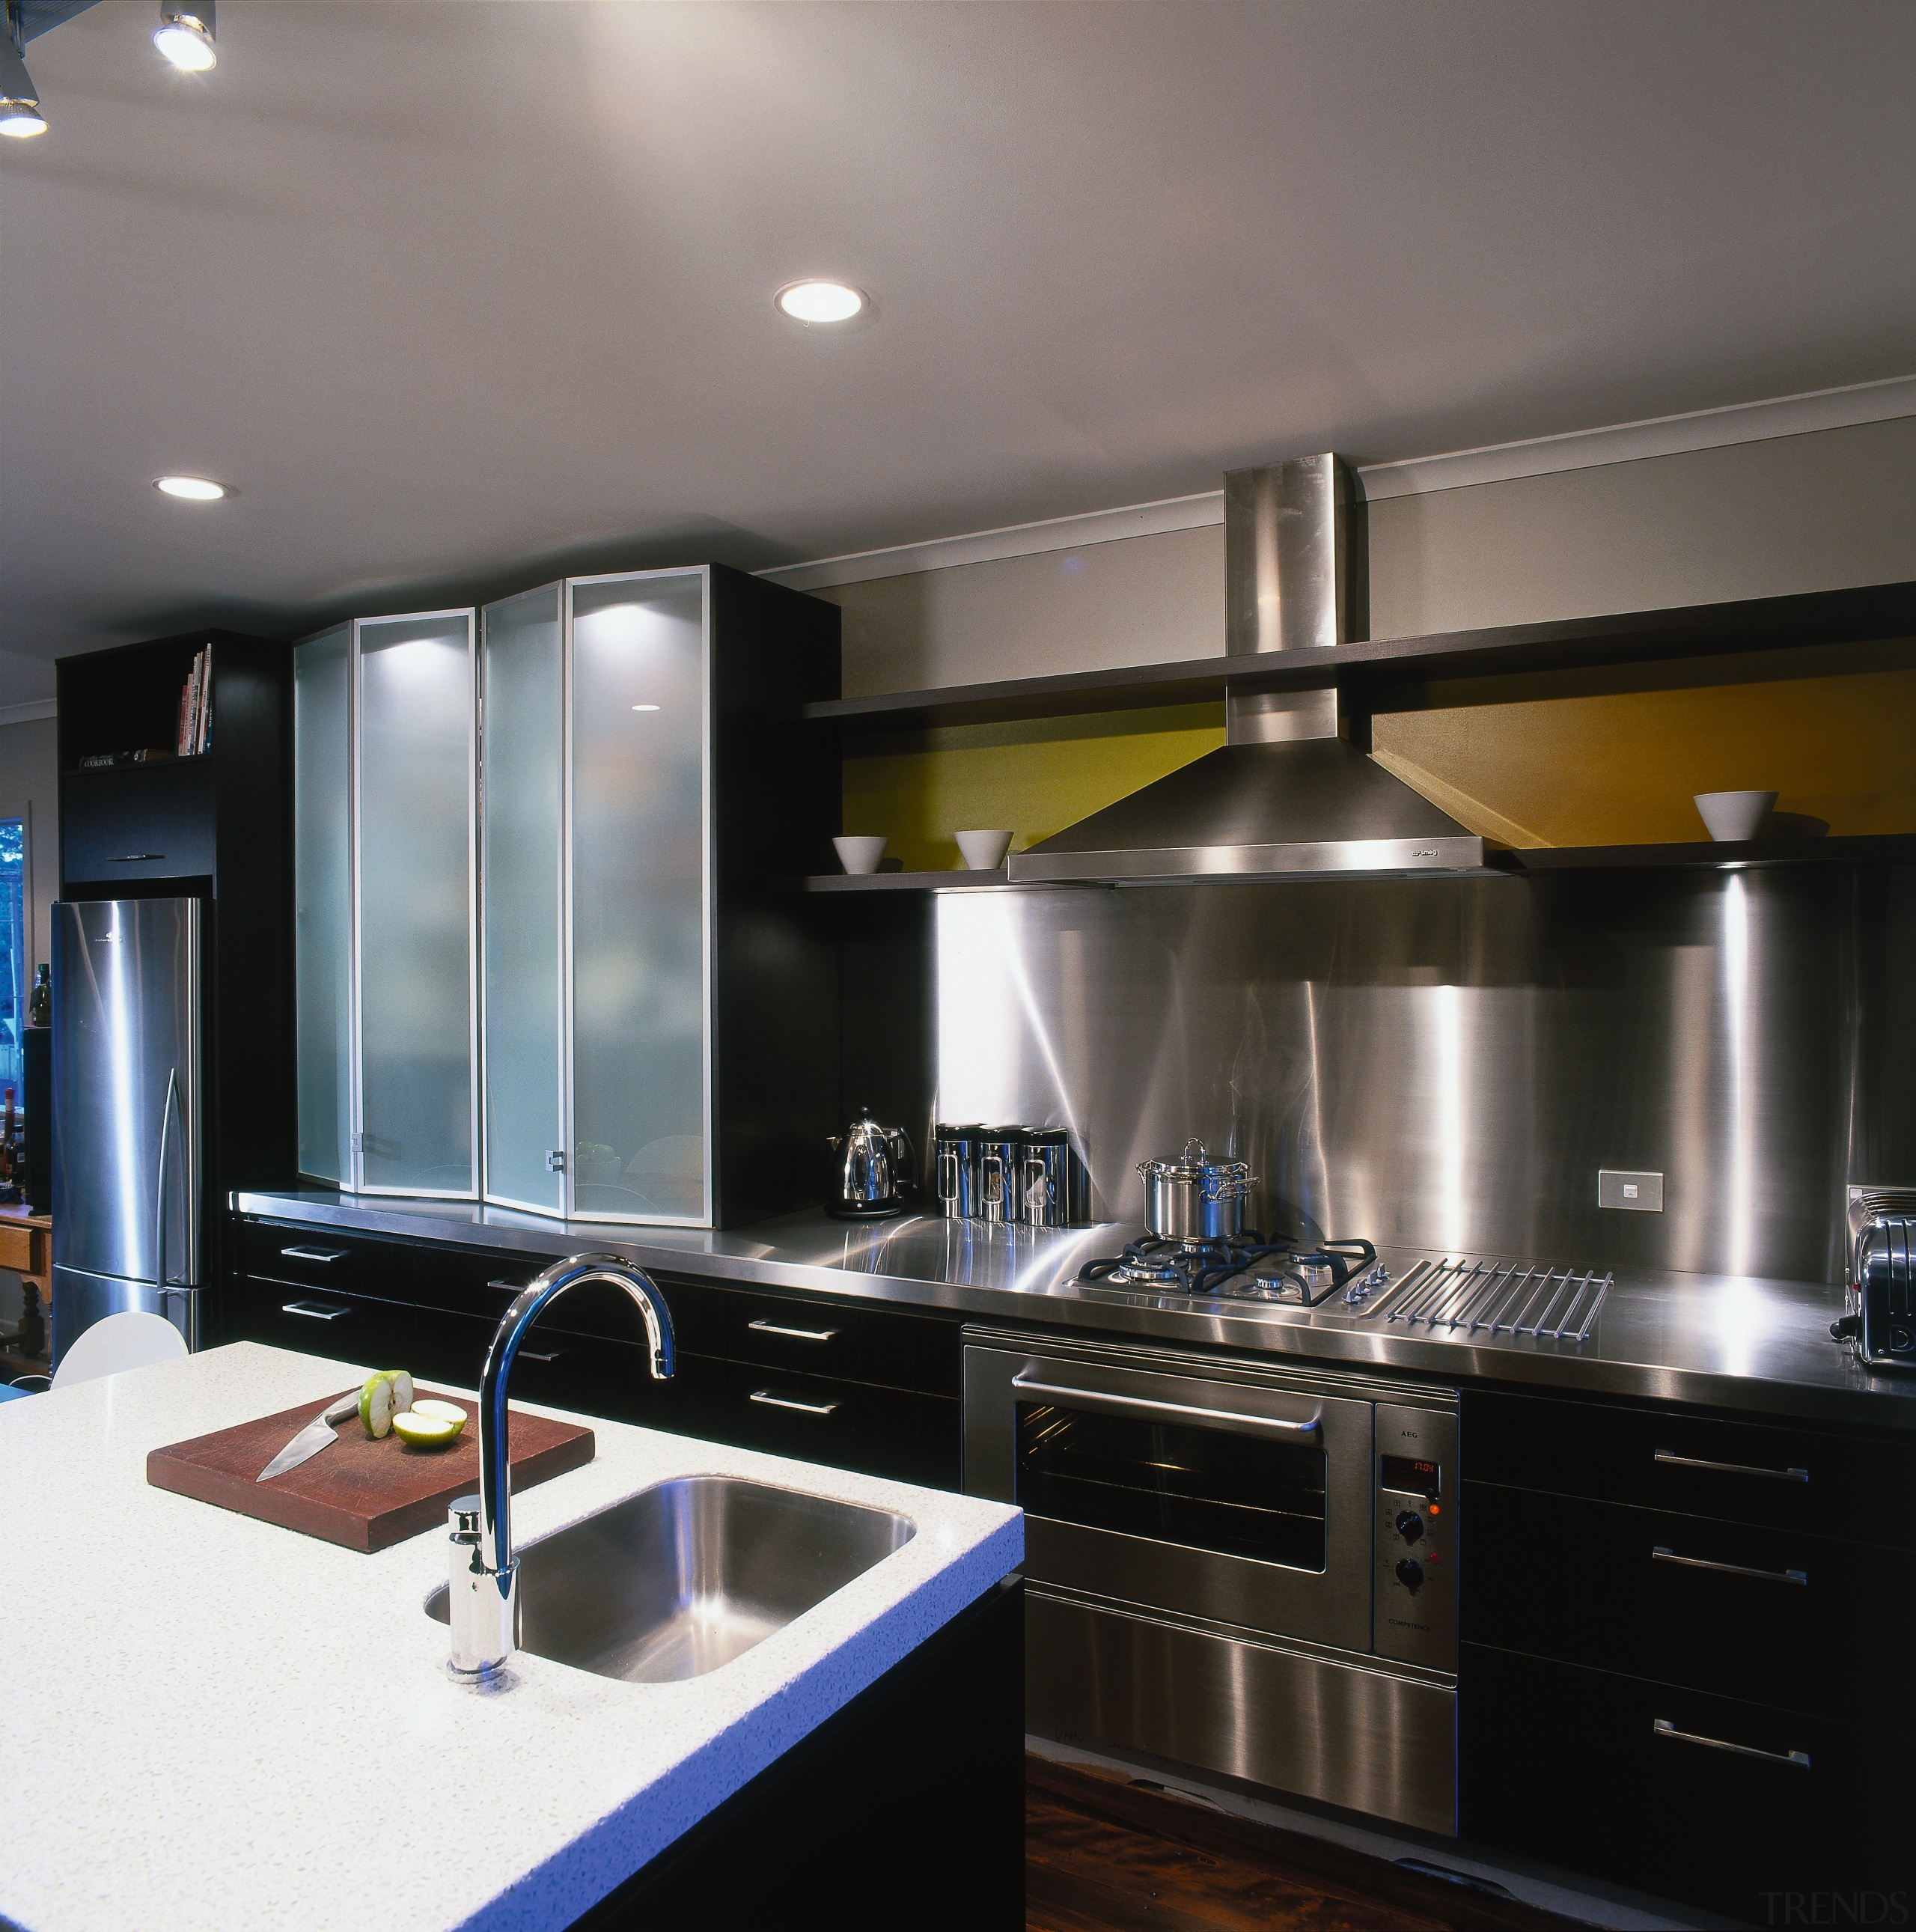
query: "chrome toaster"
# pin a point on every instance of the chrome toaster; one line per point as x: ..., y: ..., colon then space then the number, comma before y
x: 1881, y: 1320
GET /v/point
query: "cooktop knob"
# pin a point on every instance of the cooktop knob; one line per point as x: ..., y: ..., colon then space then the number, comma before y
x: 1411, y: 1575
x: 1409, y: 1526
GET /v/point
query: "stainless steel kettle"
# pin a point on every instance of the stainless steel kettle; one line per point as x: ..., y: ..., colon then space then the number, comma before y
x: 874, y: 1164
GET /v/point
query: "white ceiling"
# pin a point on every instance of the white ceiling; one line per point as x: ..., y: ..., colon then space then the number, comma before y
x: 460, y: 294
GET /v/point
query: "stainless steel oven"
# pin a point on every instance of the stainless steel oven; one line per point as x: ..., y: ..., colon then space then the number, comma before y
x: 1248, y: 1569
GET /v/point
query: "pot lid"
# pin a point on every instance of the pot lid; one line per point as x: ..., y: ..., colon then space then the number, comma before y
x: 1194, y: 1164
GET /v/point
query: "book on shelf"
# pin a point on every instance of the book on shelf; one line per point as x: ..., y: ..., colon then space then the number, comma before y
x: 150, y: 754
x: 194, y: 734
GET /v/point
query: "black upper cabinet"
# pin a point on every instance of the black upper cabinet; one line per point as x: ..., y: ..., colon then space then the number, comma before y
x: 159, y: 826
x: 216, y: 827
x: 137, y: 823
x: 775, y: 805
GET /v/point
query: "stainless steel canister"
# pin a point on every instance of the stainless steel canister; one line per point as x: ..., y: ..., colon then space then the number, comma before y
x: 1194, y: 1198
x: 997, y: 1174
x: 955, y: 1167
x: 1049, y: 1190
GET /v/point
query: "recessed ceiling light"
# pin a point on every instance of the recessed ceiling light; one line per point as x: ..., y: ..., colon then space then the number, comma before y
x: 185, y: 35
x: 195, y: 489
x: 820, y: 301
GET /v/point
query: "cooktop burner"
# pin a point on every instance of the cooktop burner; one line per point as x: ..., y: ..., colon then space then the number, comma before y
x: 1245, y: 1267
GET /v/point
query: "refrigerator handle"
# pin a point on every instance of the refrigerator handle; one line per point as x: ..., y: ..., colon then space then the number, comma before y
x: 165, y: 1290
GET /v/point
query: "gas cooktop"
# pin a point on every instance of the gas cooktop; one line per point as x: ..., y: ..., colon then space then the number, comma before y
x: 1453, y: 1294
x: 1245, y: 1268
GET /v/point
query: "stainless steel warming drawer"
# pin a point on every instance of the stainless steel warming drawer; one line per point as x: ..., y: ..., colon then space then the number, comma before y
x: 1372, y: 1741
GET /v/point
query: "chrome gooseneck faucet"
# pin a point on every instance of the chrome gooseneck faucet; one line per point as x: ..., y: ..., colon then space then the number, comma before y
x: 483, y: 1599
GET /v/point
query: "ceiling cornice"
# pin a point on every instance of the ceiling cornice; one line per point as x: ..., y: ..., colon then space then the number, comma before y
x: 1859, y: 403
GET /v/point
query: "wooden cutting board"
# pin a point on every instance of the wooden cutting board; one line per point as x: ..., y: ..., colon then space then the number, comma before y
x: 363, y: 1494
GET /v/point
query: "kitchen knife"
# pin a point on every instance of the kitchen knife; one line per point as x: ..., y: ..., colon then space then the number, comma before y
x: 312, y: 1438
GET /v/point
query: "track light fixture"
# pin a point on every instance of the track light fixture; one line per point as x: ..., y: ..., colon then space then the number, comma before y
x: 20, y: 116
x: 185, y: 34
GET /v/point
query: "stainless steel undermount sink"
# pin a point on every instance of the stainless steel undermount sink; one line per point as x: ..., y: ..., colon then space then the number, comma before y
x: 680, y: 1579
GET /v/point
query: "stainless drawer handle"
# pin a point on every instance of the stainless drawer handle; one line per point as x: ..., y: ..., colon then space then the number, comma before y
x: 1664, y: 1728
x: 314, y: 1254
x: 313, y: 1311
x: 1662, y: 1553
x: 793, y: 1334
x: 772, y: 1401
x: 1146, y: 1411
x: 1730, y: 1468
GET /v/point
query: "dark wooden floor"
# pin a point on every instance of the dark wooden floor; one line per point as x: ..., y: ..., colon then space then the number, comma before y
x: 1104, y: 1856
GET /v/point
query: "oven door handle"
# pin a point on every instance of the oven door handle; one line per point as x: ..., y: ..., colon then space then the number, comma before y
x: 1147, y: 1410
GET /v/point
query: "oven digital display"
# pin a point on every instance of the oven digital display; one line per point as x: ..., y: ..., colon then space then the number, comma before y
x: 1413, y: 1473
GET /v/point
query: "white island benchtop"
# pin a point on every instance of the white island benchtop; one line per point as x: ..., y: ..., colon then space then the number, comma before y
x: 214, y: 1723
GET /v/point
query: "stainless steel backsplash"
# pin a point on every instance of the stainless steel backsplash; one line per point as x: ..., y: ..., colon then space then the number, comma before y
x: 1450, y: 1063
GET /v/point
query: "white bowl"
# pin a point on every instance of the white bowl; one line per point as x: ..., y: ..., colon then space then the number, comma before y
x: 1732, y: 815
x: 859, y: 853
x: 984, y: 851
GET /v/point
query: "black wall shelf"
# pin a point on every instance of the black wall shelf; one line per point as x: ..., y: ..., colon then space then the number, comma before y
x: 1372, y: 669
x: 1706, y: 855
x: 904, y: 882
x: 1703, y: 856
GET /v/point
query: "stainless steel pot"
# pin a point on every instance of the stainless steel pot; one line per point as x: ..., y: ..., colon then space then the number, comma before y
x: 1194, y: 1198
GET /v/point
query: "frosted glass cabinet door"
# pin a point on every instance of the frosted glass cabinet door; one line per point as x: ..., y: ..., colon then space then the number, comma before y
x: 521, y: 691
x: 415, y: 770
x: 322, y: 885
x: 640, y: 1012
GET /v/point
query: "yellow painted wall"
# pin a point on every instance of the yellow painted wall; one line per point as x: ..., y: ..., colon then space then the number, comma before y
x: 1605, y: 768
x: 1621, y: 768
x: 1030, y: 779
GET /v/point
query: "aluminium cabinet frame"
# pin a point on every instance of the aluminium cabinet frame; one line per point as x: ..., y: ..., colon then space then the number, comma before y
x: 563, y: 588
x: 353, y: 1181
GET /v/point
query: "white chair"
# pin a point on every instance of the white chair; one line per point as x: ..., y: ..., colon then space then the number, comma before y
x: 130, y: 1340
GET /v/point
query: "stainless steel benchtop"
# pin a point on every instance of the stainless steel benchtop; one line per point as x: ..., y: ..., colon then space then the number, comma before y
x: 1726, y: 1341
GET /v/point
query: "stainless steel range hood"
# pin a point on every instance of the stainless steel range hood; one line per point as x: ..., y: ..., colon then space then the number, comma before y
x: 1285, y: 797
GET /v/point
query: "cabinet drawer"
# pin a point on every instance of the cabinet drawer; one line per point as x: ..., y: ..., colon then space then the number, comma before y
x: 137, y: 822
x: 1740, y: 1611
x: 878, y: 1432
x: 1785, y: 1478
x: 324, y: 1258
x: 855, y: 1343
x: 589, y: 1374
x: 479, y: 1282
x: 1709, y: 1800
x: 320, y: 1321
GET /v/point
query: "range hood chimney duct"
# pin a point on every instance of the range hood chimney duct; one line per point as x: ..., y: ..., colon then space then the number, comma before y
x: 1285, y: 797
x: 1291, y: 569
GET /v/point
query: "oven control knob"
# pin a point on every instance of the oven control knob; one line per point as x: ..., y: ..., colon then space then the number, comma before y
x: 1411, y: 1575
x: 1409, y: 1526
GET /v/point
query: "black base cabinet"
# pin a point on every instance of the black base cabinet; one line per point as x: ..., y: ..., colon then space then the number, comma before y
x: 1673, y: 1627
x: 1722, y: 1803
x: 848, y: 1385
x: 906, y: 1809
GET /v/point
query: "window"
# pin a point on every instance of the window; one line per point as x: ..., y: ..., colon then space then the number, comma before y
x: 15, y: 983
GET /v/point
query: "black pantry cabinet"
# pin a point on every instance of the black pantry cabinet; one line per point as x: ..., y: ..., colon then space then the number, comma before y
x: 216, y: 827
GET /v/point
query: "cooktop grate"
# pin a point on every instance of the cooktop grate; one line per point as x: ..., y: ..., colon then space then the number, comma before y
x: 1499, y: 1297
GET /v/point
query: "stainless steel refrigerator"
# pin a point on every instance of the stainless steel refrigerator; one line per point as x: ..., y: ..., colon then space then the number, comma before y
x: 127, y: 1113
